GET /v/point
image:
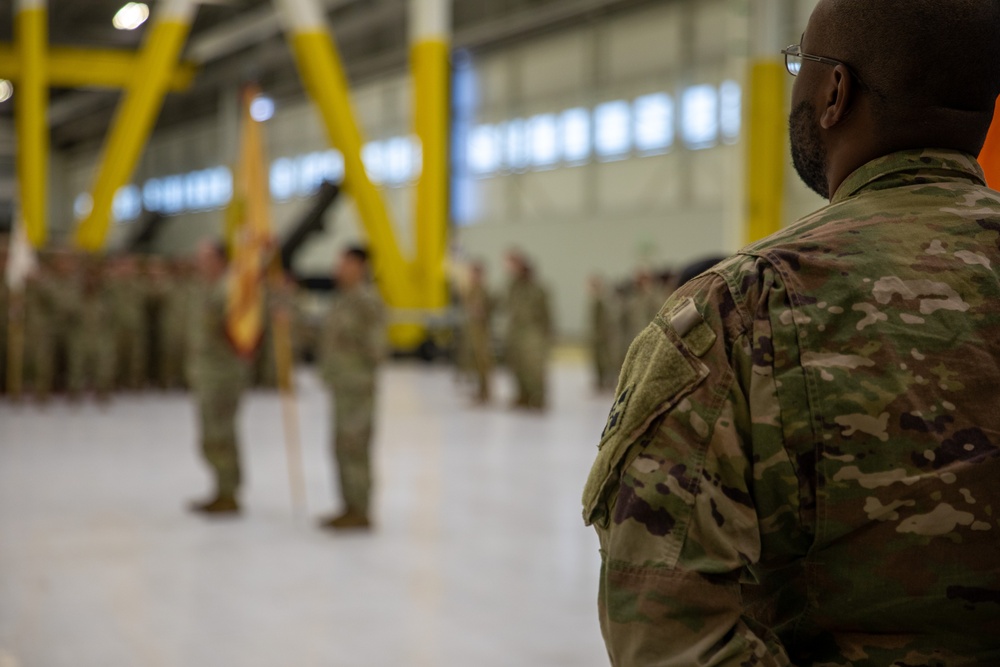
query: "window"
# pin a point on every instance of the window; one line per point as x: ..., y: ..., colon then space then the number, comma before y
x: 399, y: 160
x: 484, y: 150
x: 730, y: 111
x: 282, y: 179
x: 515, y: 144
x: 373, y: 156
x: 612, y: 137
x: 654, y: 122
x: 574, y: 129
x: 700, y: 117
x: 543, y: 145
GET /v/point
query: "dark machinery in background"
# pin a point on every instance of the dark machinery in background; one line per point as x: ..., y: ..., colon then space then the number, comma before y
x: 146, y: 231
x: 312, y: 223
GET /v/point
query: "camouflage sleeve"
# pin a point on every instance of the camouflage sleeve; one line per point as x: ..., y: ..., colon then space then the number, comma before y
x: 377, y: 339
x: 671, y: 492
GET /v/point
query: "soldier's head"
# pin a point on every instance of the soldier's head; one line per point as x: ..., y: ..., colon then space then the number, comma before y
x: 477, y: 273
x: 352, y: 269
x: 212, y: 259
x: 879, y: 76
x: 518, y: 264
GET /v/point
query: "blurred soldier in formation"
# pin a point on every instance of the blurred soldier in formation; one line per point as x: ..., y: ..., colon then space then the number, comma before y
x: 478, y: 307
x: 174, y: 324
x: 351, y: 348
x: 5, y: 305
x: 157, y: 285
x: 643, y: 304
x: 129, y: 317
x: 603, y: 335
x: 90, y: 363
x: 529, y: 333
x: 218, y: 377
x: 53, y: 301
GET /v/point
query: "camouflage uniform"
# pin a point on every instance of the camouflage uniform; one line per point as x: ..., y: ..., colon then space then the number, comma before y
x: 603, y: 341
x: 218, y: 376
x: 529, y: 332
x: 352, y: 346
x: 801, y: 466
x: 174, y: 317
x: 53, y: 303
x: 90, y: 358
x: 479, y: 337
x: 131, y: 336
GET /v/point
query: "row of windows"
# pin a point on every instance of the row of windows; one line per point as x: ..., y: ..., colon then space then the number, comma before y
x: 704, y: 116
x: 707, y: 115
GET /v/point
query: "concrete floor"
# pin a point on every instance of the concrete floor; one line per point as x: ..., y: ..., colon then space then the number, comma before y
x: 480, y: 558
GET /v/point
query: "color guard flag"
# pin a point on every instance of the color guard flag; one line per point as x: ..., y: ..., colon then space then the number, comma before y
x: 21, y: 260
x: 249, y: 223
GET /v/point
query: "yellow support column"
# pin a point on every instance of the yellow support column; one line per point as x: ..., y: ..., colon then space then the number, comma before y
x: 767, y: 123
x: 136, y: 115
x: 323, y: 75
x: 31, y: 105
x: 430, y: 27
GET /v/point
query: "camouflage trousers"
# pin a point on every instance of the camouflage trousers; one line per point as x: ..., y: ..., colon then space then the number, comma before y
x: 90, y: 364
x: 131, y: 357
x: 217, y: 410
x: 353, y: 413
x: 481, y: 352
x: 172, y: 361
x: 605, y: 373
x: 527, y: 357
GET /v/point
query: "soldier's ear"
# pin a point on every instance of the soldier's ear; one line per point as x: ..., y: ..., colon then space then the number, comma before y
x: 839, y: 91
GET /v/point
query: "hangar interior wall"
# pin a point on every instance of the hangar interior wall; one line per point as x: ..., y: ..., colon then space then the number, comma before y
x: 606, y: 194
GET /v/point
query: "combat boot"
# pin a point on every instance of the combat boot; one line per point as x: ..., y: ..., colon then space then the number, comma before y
x: 349, y: 520
x: 220, y: 504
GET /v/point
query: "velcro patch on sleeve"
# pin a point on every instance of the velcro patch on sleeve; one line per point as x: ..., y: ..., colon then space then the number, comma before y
x: 659, y: 372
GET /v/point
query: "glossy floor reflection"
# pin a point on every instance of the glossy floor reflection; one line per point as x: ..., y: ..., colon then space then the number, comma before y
x: 479, y: 560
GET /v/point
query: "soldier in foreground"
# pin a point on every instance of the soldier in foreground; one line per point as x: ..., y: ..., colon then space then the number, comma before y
x: 529, y: 333
x: 352, y: 346
x: 801, y: 466
x: 218, y: 376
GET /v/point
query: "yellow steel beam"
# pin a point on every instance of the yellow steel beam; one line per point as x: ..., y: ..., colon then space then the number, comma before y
x: 136, y: 115
x: 431, y: 73
x: 765, y: 165
x: 31, y: 32
x: 323, y: 76
x: 70, y: 67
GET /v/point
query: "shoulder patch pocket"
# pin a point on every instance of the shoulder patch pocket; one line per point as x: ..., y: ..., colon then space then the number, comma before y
x: 659, y: 372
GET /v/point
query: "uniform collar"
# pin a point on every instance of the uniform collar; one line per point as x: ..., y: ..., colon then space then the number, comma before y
x: 909, y: 168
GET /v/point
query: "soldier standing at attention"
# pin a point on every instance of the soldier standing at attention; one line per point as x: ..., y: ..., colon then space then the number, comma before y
x: 90, y: 364
x: 218, y: 377
x: 131, y: 333
x: 602, y: 336
x: 529, y: 333
x: 802, y: 466
x: 351, y: 348
x: 479, y: 331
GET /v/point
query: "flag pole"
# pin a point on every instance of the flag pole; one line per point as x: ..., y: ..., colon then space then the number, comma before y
x: 281, y: 328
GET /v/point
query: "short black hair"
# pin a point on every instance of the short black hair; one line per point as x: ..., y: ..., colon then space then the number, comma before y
x: 919, y: 54
x: 359, y: 253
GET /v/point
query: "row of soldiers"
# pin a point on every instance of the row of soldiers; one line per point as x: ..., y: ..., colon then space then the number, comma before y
x: 619, y: 313
x: 528, y: 337
x: 102, y: 324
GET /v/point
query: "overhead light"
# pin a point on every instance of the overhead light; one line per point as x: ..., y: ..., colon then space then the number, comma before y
x: 6, y: 90
x: 261, y: 108
x: 131, y: 16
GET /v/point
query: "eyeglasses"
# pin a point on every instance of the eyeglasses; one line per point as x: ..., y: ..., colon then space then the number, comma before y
x: 794, y: 57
